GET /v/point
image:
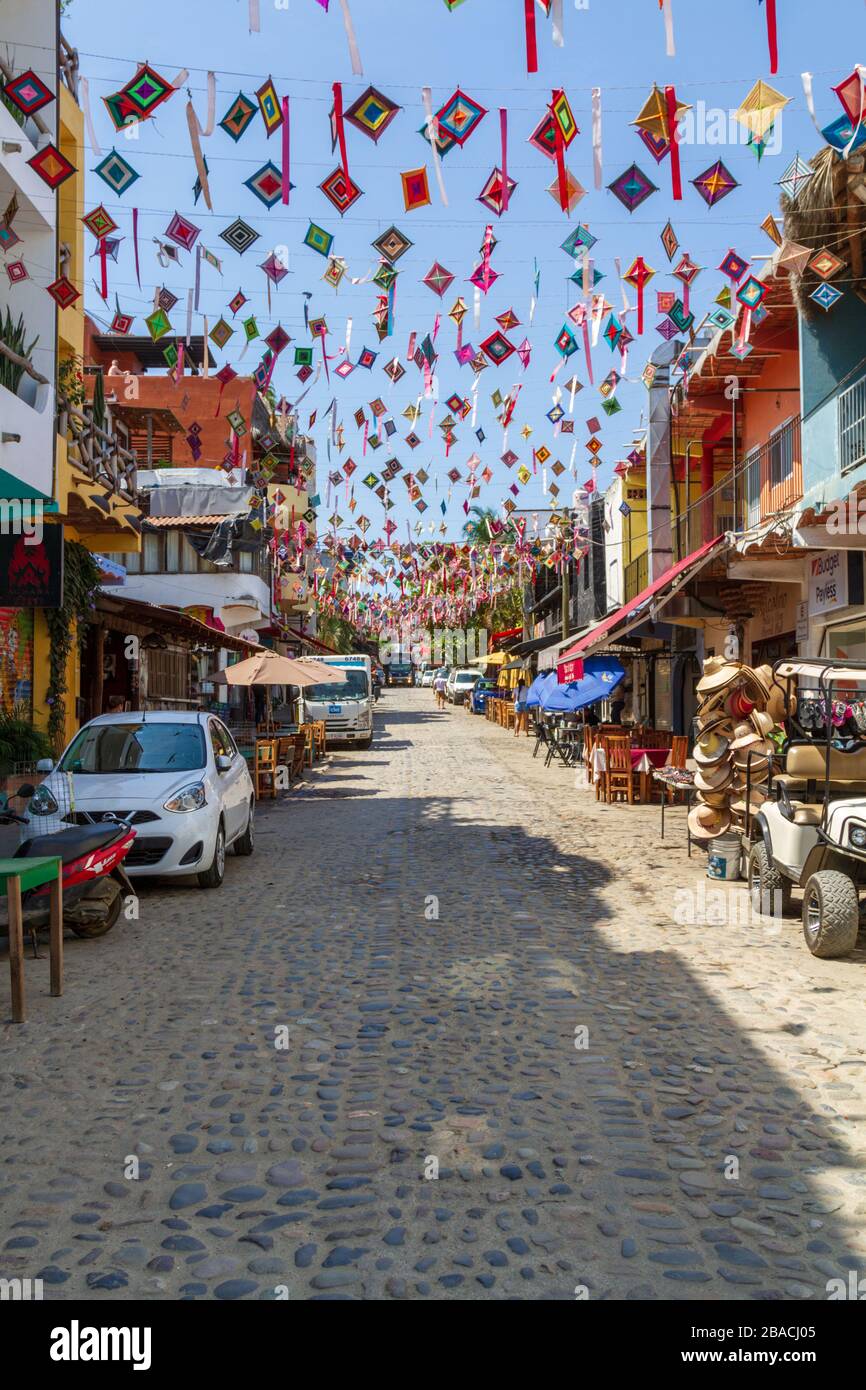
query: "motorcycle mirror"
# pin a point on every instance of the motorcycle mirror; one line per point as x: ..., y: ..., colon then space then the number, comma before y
x: 26, y: 790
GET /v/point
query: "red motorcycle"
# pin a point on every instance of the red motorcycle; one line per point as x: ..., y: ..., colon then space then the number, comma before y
x: 94, y: 880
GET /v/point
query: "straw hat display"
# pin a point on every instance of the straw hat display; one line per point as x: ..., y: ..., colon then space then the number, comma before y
x: 740, y: 707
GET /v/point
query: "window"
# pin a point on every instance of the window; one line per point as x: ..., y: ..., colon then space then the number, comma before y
x: 172, y: 552
x: 188, y: 557
x: 220, y: 742
x: 781, y: 455
x: 136, y: 747
x: 150, y: 553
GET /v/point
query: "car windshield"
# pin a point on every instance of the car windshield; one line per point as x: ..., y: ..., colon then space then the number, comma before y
x: 465, y: 678
x: 136, y: 747
x: 354, y: 688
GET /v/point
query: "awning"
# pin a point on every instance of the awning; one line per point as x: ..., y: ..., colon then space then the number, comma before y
x: 615, y: 625
x: 549, y: 657
x: 489, y: 659
x: 534, y: 644
x: 172, y: 622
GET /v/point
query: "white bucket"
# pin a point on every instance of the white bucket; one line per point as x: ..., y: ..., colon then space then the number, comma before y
x: 723, y: 860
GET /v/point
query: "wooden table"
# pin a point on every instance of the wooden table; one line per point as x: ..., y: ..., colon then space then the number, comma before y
x: 17, y: 875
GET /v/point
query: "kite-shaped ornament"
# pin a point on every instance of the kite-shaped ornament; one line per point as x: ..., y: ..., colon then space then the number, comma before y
x: 715, y: 183
x: 460, y: 117
x: 392, y: 244
x: 240, y: 236
x: 343, y: 193
x: 632, y: 188
x: 269, y: 105
x: 638, y: 276
x: 117, y: 172
x: 416, y: 189
x: 795, y: 177
x: 183, y: 232
x: 567, y: 190
x: 28, y: 92
x: 267, y: 184
x: 760, y: 109
x: 491, y: 195
x: 372, y: 113
x: 438, y: 279
x: 660, y: 118
x: 238, y: 116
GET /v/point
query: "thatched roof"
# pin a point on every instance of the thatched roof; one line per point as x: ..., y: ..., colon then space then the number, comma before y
x: 827, y: 213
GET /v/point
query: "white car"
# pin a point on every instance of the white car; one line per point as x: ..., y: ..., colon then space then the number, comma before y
x: 459, y: 684
x: 427, y: 677
x: 177, y: 776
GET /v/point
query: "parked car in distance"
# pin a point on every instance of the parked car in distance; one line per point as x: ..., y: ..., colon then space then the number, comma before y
x: 427, y: 676
x: 460, y: 683
x: 177, y: 776
x: 481, y: 693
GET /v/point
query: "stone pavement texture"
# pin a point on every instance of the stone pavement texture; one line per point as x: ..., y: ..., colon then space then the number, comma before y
x: 701, y: 1139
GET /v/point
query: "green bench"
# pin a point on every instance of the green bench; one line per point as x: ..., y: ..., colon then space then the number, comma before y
x: 17, y: 876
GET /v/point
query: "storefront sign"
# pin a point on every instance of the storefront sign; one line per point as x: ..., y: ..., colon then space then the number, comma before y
x: 828, y: 582
x: 569, y: 671
x: 31, y: 576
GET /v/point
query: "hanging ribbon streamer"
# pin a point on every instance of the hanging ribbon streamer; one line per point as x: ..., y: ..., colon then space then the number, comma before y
x: 392, y: 300
x: 503, y: 162
x: 560, y: 156
x: 103, y: 269
x: 558, y: 27
x: 340, y: 128
x: 531, y: 41
x: 432, y: 134
x: 255, y: 19
x: 772, y: 35
x: 197, y: 277
x: 135, y: 245
x: 673, y: 135
x: 88, y: 118
x: 806, y: 78
x: 596, y: 136
x: 287, y: 150
x: 205, y: 366
x: 178, y: 371
x: 196, y: 133
x: 188, y: 317
x: 667, y: 13
x: 354, y: 54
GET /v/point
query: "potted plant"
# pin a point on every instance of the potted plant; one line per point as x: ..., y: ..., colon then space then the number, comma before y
x: 13, y: 336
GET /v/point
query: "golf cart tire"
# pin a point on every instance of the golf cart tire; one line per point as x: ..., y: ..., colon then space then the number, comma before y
x: 765, y: 881
x: 835, y: 933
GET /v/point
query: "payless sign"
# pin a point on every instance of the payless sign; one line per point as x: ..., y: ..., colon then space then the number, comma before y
x: 828, y: 582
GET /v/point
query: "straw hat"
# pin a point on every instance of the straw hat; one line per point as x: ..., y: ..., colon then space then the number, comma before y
x: 738, y: 705
x: 762, y: 722
x: 720, y: 800
x: 718, y: 675
x: 706, y: 822
x: 711, y: 747
x: 759, y: 748
x: 756, y: 679
x: 714, y: 779
x: 713, y: 720
x: 756, y: 801
x: 776, y: 703
x: 744, y: 734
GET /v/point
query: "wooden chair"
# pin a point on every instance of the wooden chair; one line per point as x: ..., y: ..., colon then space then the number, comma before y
x: 266, y: 768
x: 309, y: 743
x: 679, y: 751
x: 300, y: 750
x: 618, y: 774
x: 320, y: 737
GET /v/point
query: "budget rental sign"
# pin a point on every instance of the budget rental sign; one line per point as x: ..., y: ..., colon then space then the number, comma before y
x: 828, y: 582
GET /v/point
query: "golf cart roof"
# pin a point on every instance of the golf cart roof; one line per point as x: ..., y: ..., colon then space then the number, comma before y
x: 825, y: 672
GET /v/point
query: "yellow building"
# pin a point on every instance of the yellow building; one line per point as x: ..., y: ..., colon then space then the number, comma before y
x: 94, y: 492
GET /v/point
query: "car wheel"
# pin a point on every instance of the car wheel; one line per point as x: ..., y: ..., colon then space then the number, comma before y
x: 246, y: 843
x: 765, y: 882
x: 831, y: 914
x: 213, y: 877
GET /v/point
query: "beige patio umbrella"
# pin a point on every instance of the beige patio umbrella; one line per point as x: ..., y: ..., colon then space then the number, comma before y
x: 268, y: 668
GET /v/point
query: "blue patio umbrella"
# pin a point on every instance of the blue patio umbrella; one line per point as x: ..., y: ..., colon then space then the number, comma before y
x: 542, y: 682
x: 601, y: 675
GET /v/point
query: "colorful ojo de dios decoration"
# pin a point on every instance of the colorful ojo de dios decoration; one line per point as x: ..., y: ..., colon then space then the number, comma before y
x: 372, y: 113
x: 715, y: 183
x: 158, y: 324
x: 639, y: 275
x: 632, y: 188
x: 117, y: 172
x: 269, y: 105
x: 182, y: 231
x: 267, y: 184
x: 318, y: 239
x: 99, y: 222
x: 392, y: 244
x: 416, y: 189
x: 341, y: 191
x: 146, y: 91
x: 238, y: 116
x: 64, y: 293
x: 460, y: 116
x: 491, y: 195
x: 438, y: 279
x: 51, y: 166
x: 240, y: 236
x: 28, y: 92
x: 659, y: 119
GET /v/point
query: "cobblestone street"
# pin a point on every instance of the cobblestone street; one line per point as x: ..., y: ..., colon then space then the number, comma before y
x: 707, y: 1141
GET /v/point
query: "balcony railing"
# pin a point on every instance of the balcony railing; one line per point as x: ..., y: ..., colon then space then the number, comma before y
x: 636, y: 577
x: 852, y: 426
x: 96, y: 450
x: 767, y: 482
x: 68, y: 62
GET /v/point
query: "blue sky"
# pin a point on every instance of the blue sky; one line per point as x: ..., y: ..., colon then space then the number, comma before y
x: 617, y: 45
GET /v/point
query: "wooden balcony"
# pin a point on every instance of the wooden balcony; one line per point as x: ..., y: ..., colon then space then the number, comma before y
x: 96, y: 450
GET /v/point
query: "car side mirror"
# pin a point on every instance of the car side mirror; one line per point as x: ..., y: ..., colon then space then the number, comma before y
x: 223, y: 762
x: 45, y: 765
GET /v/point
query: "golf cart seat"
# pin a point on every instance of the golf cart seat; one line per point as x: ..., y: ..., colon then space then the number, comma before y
x: 805, y: 815
x: 806, y: 769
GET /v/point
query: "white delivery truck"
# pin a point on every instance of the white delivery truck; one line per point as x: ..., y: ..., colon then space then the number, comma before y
x: 346, y: 706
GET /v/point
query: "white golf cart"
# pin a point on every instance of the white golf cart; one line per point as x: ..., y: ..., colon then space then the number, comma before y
x: 811, y: 832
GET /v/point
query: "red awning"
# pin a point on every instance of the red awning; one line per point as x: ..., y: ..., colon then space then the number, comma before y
x: 632, y: 610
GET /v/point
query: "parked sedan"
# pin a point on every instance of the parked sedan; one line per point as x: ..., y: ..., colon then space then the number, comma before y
x: 481, y: 693
x: 177, y: 776
x: 427, y: 676
x: 460, y: 684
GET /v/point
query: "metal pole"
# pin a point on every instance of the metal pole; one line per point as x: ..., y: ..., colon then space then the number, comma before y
x: 566, y: 599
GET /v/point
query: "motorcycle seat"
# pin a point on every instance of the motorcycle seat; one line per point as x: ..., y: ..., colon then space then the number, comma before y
x: 69, y: 844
